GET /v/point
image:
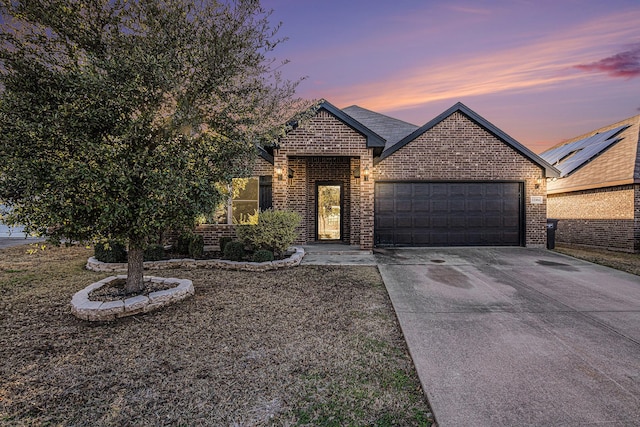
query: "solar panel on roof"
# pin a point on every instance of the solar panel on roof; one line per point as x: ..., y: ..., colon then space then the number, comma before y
x: 569, y: 157
x: 555, y: 155
x: 585, y: 155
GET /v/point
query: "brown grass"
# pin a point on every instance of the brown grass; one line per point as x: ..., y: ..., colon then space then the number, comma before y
x: 305, y: 346
x: 619, y: 260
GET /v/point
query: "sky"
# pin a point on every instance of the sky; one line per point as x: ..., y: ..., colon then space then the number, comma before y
x: 541, y: 71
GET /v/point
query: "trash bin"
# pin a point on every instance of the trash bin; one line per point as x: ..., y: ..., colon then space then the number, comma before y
x: 552, y: 226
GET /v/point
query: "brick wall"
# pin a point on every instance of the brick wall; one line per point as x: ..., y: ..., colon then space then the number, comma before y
x: 636, y: 219
x: 605, y: 217
x: 459, y: 149
x: 211, y: 233
x: 325, y: 149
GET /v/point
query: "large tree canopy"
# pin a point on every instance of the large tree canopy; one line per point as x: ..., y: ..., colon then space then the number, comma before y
x: 117, y: 117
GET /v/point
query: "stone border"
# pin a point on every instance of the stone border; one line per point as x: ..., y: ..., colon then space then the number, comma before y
x: 292, y: 261
x: 95, y: 311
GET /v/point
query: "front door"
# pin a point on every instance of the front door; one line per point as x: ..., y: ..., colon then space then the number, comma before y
x: 329, y: 217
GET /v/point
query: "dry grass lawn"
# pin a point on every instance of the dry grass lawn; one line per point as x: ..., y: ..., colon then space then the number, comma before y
x: 308, y: 346
x: 618, y: 260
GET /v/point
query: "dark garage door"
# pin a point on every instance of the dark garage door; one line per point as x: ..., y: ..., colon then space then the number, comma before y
x: 448, y: 213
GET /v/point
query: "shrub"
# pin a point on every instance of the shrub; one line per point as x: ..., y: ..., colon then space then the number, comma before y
x: 223, y: 242
x: 275, y: 231
x: 234, y: 251
x: 110, y: 251
x: 154, y: 252
x: 196, y: 246
x: 262, y: 255
x: 182, y: 244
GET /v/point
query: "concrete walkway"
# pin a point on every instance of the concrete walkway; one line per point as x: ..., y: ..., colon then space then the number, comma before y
x: 518, y: 337
x: 336, y: 254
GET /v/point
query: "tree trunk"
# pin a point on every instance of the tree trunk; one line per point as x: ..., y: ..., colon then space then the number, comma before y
x: 135, y: 269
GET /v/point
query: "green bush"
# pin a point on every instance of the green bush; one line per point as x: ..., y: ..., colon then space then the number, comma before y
x: 262, y: 255
x: 275, y: 231
x: 196, y: 246
x: 234, y: 251
x: 223, y: 242
x: 154, y: 252
x: 110, y: 251
x: 182, y: 244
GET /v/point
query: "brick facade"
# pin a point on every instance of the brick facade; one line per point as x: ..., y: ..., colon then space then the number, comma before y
x: 604, y: 217
x: 326, y: 149
x: 457, y: 149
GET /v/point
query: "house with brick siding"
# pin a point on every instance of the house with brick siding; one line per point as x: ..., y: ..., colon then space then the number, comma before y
x: 364, y: 179
x: 597, y: 196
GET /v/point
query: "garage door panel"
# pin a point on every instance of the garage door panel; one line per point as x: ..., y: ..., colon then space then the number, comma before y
x: 403, y: 221
x: 421, y: 221
x: 448, y: 213
x: 421, y: 205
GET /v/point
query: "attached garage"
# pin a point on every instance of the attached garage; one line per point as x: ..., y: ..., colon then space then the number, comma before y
x: 449, y: 213
x: 459, y: 181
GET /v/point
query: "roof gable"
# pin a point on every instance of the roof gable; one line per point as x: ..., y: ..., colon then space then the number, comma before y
x: 373, y: 139
x: 550, y: 171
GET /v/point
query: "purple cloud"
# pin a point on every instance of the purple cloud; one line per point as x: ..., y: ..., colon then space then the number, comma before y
x: 624, y: 64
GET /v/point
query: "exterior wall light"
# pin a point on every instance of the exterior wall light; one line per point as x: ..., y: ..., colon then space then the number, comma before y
x: 365, y: 172
x: 538, y: 182
x: 279, y: 173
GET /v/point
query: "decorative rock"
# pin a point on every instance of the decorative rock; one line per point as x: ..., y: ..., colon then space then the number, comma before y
x: 135, y: 304
x: 85, y: 309
x: 292, y: 261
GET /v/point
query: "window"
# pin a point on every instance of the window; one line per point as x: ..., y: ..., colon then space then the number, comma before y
x: 245, y: 196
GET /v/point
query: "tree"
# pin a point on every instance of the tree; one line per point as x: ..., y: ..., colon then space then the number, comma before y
x: 117, y: 117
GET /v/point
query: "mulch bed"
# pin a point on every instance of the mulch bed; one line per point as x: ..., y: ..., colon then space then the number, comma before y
x: 115, y: 290
x: 312, y: 346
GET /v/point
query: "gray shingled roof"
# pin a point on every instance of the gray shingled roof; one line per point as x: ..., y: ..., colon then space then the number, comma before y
x: 393, y: 130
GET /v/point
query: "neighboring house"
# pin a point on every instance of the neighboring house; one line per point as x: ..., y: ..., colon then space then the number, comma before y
x: 597, y: 197
x: 365, y: 179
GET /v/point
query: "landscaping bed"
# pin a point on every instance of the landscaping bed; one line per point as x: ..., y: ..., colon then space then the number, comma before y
x: 313, y: 346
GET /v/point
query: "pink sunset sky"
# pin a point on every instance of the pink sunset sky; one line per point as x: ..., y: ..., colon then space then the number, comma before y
x: 542, y: 71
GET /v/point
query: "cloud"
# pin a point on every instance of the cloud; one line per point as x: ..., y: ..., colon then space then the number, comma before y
x: 529, y: 67
x: 624, y: 64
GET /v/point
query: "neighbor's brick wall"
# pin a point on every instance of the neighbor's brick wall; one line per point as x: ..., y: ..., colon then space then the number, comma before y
x: 330, y: 146
x: 636, y: 218
x: 605, y: 217
x: 457, y: 149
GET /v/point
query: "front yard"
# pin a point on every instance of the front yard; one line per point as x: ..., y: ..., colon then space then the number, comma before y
x: 307, y: 346
x: 619, y: 260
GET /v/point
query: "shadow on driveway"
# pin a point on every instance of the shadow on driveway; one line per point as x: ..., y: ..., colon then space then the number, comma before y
x: 518, y: 336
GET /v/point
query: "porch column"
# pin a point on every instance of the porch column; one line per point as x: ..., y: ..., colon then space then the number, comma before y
x: 279, y: 182
x: 366, y: 201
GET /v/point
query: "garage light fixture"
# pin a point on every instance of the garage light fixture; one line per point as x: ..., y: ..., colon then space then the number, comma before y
x: 365, y: 172
x: 279, y: 173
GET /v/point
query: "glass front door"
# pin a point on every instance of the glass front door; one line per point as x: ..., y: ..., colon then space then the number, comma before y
x: 329, y: 217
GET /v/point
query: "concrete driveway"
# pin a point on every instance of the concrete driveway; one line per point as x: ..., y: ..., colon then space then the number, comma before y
x: 518, y: 336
